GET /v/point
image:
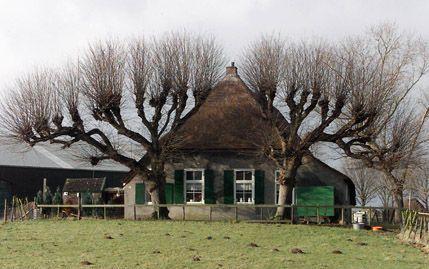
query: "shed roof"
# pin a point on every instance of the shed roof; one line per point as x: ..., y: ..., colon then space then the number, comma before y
x: 50, y: 156
x: 84, y: 184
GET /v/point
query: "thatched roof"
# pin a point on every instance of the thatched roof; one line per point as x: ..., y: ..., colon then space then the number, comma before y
x: 84, y: 185
x: 231, y: 118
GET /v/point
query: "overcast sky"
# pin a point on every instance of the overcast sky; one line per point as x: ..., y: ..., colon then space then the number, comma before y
x: 47, y: 33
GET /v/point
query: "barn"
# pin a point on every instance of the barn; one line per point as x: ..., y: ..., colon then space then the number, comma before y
x: 23, y: 170
x: 216, y: 162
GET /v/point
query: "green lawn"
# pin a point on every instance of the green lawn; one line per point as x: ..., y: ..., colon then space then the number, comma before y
x: 170, y: 244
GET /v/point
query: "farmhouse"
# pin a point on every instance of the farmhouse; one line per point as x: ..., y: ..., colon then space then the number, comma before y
x: 217, y: 164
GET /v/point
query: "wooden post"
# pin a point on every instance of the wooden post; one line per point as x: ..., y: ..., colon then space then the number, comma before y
x: 318, y: 214
x: 12, y: 210
x: 210, y: 212
x: 44, y: 185
x: 105, y: 212
x: 183, y: 210
x: 342, y: 216
x: 292, y: 213
x: 135, y: 211
x: 21, y: 210
x: 78, y: 206
x: 370, y: 213
x: 58, y: 211
x: 236, y: 213
x: 5, y: 211
x: 157, y: 211
x: 422, y: 223
x: 426, y: 225
x: 261, y: 215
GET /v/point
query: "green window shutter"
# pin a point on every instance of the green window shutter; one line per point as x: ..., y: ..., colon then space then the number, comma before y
x: 228, y: 187
x: 169, y: 193
x: 179, y: 196
x: 140, y: 193
x: 209, y: 196
x: 259, y: 186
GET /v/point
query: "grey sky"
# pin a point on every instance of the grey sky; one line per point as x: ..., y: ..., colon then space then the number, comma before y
x: 40, y: 33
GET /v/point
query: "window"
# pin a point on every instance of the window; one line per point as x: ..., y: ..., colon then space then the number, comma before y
x: 194, y: 185
x: 277, y: 186
x: 244, y: 186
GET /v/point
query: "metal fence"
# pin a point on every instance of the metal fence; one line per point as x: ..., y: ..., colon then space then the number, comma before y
x: 211, y: 212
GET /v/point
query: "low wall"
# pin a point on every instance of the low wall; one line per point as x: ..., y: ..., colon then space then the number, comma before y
x: 203, y: 213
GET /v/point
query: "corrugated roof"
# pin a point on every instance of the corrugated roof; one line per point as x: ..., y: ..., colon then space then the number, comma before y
x: 49, y: 156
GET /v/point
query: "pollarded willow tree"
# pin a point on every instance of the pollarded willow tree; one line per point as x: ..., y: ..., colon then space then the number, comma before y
x: 396, y: 143
x: 397, y: 151
x: 116, y: 95
x: 326, y: 93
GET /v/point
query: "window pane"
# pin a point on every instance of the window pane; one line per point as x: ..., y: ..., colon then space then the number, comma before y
x: 193, y: 187
x: 198, y: 197
x: 243, y: 192
x: 198, y: 175
x: 189, y: 175
x: 239, y: 175
x: 239, y: 196
x: 194, y: 192
x: 248, y: 175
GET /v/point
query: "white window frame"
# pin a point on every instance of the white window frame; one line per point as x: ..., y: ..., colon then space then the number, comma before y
x: 186, y: 181
x: 244, y: 181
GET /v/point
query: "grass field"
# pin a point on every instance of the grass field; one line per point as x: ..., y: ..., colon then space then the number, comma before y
x: 169, y: 244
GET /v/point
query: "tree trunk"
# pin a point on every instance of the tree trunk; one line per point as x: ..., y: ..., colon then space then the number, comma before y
x: 157, y: 189
x: 398, y: 201
x: 287, y: 180
x: 157, y: 195
x: 398, y: 196
x: 285, y: 198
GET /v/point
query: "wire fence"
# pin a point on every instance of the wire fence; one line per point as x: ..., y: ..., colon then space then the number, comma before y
x: 319, y: 214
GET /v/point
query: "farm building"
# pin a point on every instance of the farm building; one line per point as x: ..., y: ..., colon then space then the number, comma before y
x: 216, y: 163
x: 23, y: 170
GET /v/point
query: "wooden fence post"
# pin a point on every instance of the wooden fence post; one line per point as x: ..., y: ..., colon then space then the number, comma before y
x: 210, y: 213
x: 12, y: 210
x: 318, y: 214
x: 342, y: 216
x: 135, y: 212
x: 183, y: 211
x: 370, y: 213
x: 5, y: 211
x: 105, y: 212
x: 78, y: 207
x: 236, y: 213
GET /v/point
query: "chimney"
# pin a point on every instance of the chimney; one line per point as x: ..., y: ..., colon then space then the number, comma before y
x: 231, y: 70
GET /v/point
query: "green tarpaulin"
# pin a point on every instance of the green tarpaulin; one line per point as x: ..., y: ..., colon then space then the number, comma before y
x: 314, y: 196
